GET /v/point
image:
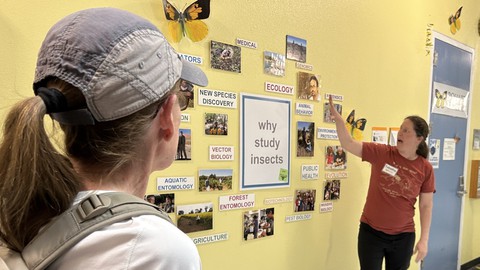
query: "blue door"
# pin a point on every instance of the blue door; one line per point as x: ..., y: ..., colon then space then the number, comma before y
x: 452, y: 73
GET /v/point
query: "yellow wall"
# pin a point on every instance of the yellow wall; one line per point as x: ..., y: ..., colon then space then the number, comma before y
x: 372, y: 52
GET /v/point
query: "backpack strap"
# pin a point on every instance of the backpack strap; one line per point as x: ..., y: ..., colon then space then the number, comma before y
x: 91, y: 214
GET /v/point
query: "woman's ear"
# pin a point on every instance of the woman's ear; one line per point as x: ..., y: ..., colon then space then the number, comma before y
x: 166, y: 118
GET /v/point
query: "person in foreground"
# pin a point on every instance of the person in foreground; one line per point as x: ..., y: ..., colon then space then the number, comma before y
x: 111, y: 80
x: 399, y: 174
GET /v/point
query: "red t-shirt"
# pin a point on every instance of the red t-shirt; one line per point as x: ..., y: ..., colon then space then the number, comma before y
x: 395, y: 183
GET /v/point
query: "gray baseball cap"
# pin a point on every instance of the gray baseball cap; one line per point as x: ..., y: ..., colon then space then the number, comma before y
x: 121, y: 62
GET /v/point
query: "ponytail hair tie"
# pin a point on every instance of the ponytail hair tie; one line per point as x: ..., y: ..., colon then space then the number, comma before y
x: 54, y: 100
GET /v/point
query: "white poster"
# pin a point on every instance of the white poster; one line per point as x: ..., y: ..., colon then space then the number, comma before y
x: 434, y: 152
x: 448, y: 149
x: 380, y: 135
x: 449, y: 100
x: 264, y: 142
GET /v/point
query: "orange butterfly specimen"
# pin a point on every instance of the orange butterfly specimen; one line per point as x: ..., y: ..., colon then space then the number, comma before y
x: 355, y: 127
x: 187, y: 23
x: 454, y: 21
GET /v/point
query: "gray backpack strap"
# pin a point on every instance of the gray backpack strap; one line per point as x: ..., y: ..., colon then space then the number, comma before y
x: 93, y: 213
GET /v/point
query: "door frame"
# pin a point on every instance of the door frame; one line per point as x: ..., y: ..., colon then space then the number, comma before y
x: 446, y: 39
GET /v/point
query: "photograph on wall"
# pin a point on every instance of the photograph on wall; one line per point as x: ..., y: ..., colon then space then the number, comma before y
x: 225, y: 57
x: 186, y: 94
x: 258, y: 223
x: 305, y: 139
x: 327, y: 118
x: 166, y: 202
x: 476, y: 139
x: 216, y: 124
x: 449, y: 100
x: 434, y: 152
x: 296, y: 49
x: 274, y: 63
x: 331, y: 190
x: 335, y: 158
x: 215, y: 180
x: 304, y: 200
x: 380, y: 135
x: 184, y: 148
x: 308, y: 86
x: 265, y: 142
x: 195, y: 217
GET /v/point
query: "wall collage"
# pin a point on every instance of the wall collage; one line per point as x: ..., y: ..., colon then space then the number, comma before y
x: 267, y: 143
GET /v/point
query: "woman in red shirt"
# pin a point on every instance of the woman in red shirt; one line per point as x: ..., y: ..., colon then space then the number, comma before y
x: 399, y: 174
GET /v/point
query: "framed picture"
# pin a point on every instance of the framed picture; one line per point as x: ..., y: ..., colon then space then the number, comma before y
x: 335, y: 158
x: 296, y: 49
x: 195, y: 217
x: 308, y: 86
x: 216, y: 124
x: 258, y: 223
x: 304, y: 200
x: 225, y: 57
x: 305, y: 139
x: 274, y: 64
x: 331, y: 190
x: 184, y: 148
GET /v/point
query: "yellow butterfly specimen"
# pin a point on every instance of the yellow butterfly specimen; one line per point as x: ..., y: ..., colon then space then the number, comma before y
x: 355, y: 127
x: 454, y: 21
x: 441, y: 97
x: 187, y: 23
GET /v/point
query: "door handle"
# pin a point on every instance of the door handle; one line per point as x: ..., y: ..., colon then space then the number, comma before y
x: 461, y: 187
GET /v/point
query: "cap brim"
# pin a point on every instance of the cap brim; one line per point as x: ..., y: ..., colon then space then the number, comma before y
x: 193, y: 74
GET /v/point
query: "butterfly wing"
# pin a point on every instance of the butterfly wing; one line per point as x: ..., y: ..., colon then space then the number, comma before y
x: 458, y: 13
x: 175, y: 21
x: 171, y: 13
x: 199, y: 10
x: 438, y: 95
x: 442, y: 99
x: 176, y: 30
x: 350, y: 121
x: 458, y: 23
x: 195, y: 29
x: 358, y: 127
x: 351, y: 117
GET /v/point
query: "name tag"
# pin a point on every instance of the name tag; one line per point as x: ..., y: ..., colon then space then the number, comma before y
x: 389, y: 169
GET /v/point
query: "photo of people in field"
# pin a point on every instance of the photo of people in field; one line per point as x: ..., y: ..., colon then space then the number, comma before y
x: 195, y: 217
x: 215, y: 180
